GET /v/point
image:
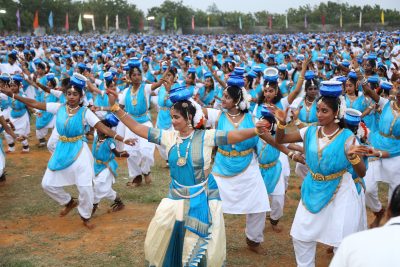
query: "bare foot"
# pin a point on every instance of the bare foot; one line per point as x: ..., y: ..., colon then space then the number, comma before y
x: 147, y: 178
x: 88, y: 224
x: 378, y: 217
x: 70, y: 206
x: 276, y: 228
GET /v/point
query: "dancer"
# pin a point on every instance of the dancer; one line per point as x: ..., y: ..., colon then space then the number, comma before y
x: 72, y: 161
x: 188, y: 227
x: 329, y: 199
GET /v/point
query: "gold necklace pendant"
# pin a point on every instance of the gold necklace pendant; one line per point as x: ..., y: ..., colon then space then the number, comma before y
x: 134, y: 101
x: 181, y: 162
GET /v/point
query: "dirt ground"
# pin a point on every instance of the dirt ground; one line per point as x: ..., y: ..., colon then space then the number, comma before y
x: 32, y: 233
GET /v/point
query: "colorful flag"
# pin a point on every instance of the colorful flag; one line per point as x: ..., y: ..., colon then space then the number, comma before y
x: 116, y: 22
x: 36, y: 20
x: 360, y: 19
x: 175, y: 24
x: 240, y: 22
x: 163, y: 23
x: 128, y: 22
x: 305, y: 21
x: 270, y: 22
x: 192, y: 22
x: 18, y: 19
x: 51, y: 22
x: 382, y: 18
x: 80, y: 28
x: 107, y: 22
x: 66, y: 23
x: 208, y: 22
x: 286, y: 22
x: 141, y: 24
x: 341, y: 19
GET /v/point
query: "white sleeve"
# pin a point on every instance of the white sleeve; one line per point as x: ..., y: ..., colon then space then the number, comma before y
x: 112, y: 146
x: 147, y: 90
x: 302, y: 132
x: 285, y: 103
x: 91, y: 118
x: 53, y: 107
x: 121, y: 97
x: 340, y: 257
x: 3, y: 96
x: 212, y: 116
x: 382, y: 102
x: 56, y: 93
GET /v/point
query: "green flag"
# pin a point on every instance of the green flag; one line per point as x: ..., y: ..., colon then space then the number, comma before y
x: 80, y: 28
x: 240, y: 23
x: 175, y: 25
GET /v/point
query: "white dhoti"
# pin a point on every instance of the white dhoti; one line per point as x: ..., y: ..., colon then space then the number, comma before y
x: 141, y: 155
x: 102, y: 186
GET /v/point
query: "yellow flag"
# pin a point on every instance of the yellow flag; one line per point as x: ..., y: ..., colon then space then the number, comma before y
x: 341, y: 20
x: 208, y: 22
x: 382, y: 17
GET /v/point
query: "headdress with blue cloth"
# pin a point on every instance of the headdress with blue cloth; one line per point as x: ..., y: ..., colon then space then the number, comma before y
x: 78, y: 81
x: 271, y: 75
x: 387, y: 86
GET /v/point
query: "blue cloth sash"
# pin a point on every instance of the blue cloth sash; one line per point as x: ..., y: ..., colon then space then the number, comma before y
x: 104, y: 156
x: 67, y: 152
x: 332, y: 159
x: 139, y: 111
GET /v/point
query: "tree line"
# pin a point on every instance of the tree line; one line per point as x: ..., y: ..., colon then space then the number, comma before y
x: 329, y: 12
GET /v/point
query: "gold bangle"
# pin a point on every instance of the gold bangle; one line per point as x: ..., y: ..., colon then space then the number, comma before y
x: 355, y: 160
x: 115, y: 107
x: 281, y: 126
x: 115, y: 136
x: 126, y: 113
x: 290, y: 154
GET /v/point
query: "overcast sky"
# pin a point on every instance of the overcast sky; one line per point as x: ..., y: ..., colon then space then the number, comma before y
x: 258, y: 5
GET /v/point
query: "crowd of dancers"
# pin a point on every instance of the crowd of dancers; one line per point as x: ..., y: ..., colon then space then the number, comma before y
x: 231, y: 112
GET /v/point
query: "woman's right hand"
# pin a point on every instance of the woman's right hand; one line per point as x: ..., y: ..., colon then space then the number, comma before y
x: 280, y: 115
x: 112, y: 95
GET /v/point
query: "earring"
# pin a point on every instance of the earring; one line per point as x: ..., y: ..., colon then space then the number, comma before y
x: 189, y: 124
x: 336, y: 119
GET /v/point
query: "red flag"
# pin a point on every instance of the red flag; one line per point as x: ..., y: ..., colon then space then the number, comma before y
x: 36, y: 20
x: 128, y: 22
x: 192, y: 22
x: 141, y: 24
x: 66, y: 23
x: 323, y: 21
x: 270, y: 22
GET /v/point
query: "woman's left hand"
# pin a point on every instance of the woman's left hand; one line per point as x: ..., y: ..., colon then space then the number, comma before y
x: 130, y: 141
x: 124, y: 154
x: 357, y: 150
x: 299, y: 158
x: 262, y: 126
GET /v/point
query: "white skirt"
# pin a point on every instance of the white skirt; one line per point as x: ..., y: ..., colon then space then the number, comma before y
x: 285, y: 164
x: 80, y: 173
x: 103, y: 176
x: 340, y: 218
x: 390, y: 171
x: 21, y: 124
x: 244, y: 193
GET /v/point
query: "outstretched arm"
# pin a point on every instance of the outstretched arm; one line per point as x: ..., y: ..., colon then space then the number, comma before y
x: 27, y: 101
x: 237, y: 136
x: 292, y: 96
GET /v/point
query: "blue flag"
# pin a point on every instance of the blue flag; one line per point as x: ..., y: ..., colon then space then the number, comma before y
x: 51, y: 24
x: 163, y: 23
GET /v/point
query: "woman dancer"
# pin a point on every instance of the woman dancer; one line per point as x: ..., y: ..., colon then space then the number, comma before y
x: 329, y: 200
x: 188, y: 227
x: 72, y: 161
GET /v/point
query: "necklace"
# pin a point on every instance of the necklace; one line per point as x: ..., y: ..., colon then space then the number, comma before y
x: 327, y: 137
x: 134, y: 96
x: 308, y: 101
x: 182, y: 160
x: 233, y: 115
x: 70, y: 110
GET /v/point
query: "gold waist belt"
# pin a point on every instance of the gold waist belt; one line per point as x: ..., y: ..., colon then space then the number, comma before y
x: 102, y: 162
x: 64, y: 138
x: 320, y: 177
x: 390, y: 136
x: 235, y: 153
x: 268, y: 165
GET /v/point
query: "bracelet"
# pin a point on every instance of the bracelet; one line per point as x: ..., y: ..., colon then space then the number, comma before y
x: 297, y: 122
x: 115, y: 107
x: 13, y: 96
x: 115, y: 136
x: 101, y: 108
x: 281, y: 126
x: 380, y: 154
x: 364, y: 81
x: 126, y: 113
x: 355, y: 160
x: 290, y: 154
